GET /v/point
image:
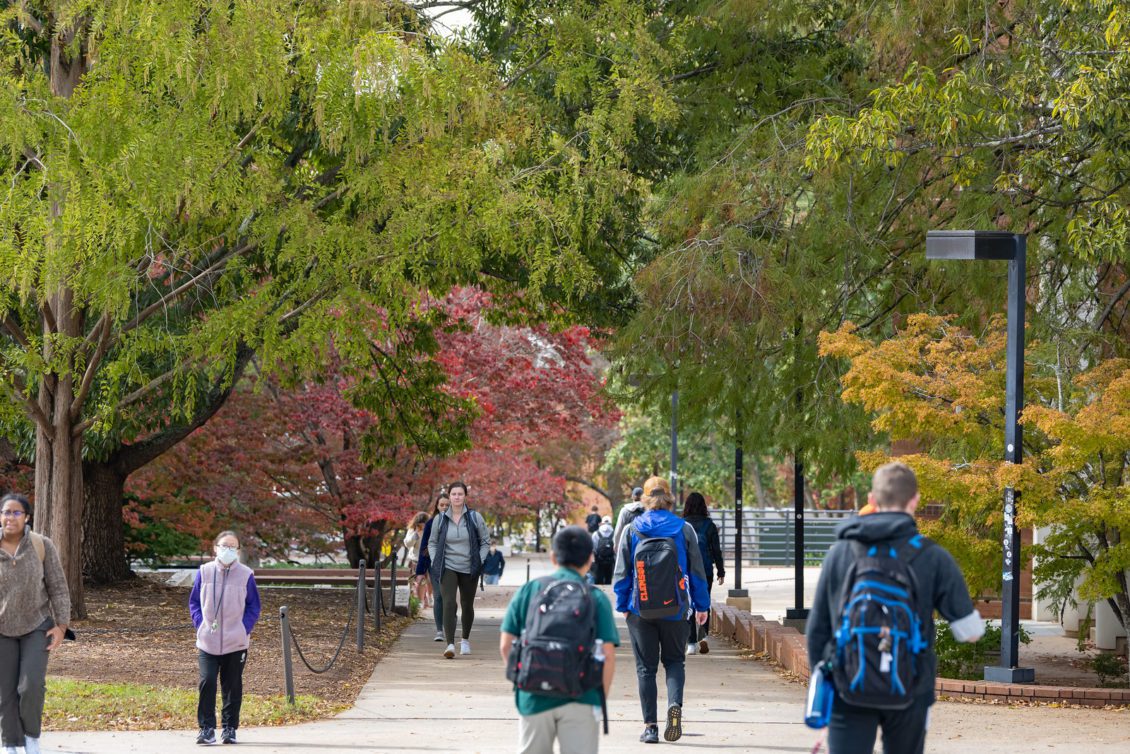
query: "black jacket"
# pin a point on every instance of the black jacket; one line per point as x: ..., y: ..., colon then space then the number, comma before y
x: 941, y: 587
x: 710, y: 545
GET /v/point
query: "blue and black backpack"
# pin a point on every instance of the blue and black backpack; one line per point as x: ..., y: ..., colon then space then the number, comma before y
x: 879, y: 636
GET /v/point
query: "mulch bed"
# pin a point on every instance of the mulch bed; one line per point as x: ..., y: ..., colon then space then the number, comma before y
x: 167, y: 658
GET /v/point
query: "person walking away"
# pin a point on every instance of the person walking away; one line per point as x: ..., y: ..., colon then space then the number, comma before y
x: 412, y: 546
x: 224, y: 605
x: 658, y: 581
x: 604, y: 552
x: 424, y: 575
x: 35, y: 610
x: 493, y: 566
x: 882, y: 556
x: 457, y: 550
x: 565, y: 715
x: 630, y: 511
x: 592, y: 521
x: 710, y: 547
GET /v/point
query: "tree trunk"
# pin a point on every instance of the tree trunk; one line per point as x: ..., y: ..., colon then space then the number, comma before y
x: 104, y: 558
x: 58, y: 458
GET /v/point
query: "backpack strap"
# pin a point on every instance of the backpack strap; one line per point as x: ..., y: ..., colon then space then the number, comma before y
x: 37, y: 543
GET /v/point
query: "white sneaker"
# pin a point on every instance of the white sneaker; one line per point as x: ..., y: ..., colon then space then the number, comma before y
x: 692, y: 649
x: 31, y: 745
x: 439, y: 636
x: 449, y: 652
x: 464, y: 647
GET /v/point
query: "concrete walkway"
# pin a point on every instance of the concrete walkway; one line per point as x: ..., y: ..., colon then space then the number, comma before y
x: 419, y: 702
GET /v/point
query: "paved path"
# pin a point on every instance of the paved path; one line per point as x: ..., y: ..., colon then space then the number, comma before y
x: 419, y: 702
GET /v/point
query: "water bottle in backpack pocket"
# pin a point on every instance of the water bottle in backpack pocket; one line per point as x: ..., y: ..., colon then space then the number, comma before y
x: 879, y: 635
x: 660, y: 584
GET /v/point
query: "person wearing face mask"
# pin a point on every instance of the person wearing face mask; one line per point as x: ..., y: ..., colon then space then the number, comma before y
x: 35, y: 608
x: 224, y: 604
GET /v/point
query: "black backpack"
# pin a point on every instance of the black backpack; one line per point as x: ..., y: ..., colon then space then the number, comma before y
x: 660, y: 585
x: 605, y: 551
x: 879, y: 636
x: 556, y: 653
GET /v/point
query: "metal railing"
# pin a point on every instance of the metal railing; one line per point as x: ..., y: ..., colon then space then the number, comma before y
x: 767, y: 534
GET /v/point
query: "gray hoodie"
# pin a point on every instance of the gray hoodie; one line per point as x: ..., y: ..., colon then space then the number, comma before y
x: 627, y: 514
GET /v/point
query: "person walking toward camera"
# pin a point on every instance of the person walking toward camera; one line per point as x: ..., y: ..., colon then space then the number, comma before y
x: 659, y: 581
x: 424, y: 575
x: 35, y: 610
x: 696, y: 514
x: 493, y: 566
x: 224, y: 605
x: 546, y: 623
x: 458, y: 546
x: 872, y: 620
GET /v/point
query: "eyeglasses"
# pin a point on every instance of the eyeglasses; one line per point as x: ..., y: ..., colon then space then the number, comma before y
x: 11, y: 514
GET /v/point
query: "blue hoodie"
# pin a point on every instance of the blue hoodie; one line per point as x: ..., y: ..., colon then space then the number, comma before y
x: 660, y: 523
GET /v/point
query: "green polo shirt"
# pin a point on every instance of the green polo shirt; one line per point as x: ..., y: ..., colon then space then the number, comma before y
x: 515, y: 622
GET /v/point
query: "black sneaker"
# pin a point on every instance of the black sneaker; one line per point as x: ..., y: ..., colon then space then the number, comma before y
x: 674, y: 729
x: 228, y: 736
x: 650, y: 734
x: 206, y: 736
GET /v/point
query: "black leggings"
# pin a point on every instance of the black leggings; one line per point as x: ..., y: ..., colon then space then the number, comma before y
x: 466, y: 584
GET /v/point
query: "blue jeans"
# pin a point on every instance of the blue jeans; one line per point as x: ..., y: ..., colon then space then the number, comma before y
x: 491, y: 578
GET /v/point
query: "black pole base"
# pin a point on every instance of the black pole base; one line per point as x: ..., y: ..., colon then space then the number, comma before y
x: 738, y: 593
x: 997, y: 674
x: 797, y: 613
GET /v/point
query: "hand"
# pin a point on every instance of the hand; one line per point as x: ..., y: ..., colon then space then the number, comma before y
x: 721, y: 579
x: 700, y: 617
x: 55, y: 636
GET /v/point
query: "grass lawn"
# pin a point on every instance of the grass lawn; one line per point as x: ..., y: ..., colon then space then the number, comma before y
x: 87, y: 705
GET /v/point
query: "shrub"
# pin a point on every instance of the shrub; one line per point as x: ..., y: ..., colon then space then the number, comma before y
x: 964, y: 660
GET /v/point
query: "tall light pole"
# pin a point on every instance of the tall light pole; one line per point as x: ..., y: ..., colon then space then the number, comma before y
x: 1010, y: 247
x: 675, y: 445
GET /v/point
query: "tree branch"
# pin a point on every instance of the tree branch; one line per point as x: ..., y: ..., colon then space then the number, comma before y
x: 1109, y: 309
x: 103, y: 328
x: 591, y: 485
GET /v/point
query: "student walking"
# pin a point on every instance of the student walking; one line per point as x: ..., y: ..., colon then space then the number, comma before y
x: 631, y: 510
x: 412, y: 540
x: 493, y: 566
x: 658, y: 582
x: 592, y: 521
x: 224, y: 604
x: 882, y: 559
x: 424, y: 576
x: 546, y: 615
x: 459, y: 544
x: 35, y: 609
x: 604, y: 552
x: 710, y: 547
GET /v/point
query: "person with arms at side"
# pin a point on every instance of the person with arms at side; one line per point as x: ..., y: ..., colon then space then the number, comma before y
x: 882, y: 559
x: 710, y: 546
x: 224, y: 605
x: 412, y: 539
x: 630, y: 511
x: 604, y: 552
x: 424, y: 575
x: 532, y: 621
x: 35, y: 610
x: 592, y: 521
x: 493, y: 566
x: 659, y: 582
x: 458, y: 546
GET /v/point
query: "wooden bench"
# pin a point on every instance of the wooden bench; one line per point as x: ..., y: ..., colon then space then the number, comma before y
x: 323, y: 577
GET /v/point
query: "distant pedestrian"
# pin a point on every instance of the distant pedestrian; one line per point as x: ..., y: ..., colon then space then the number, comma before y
x: 882, y: 559
x: 632, y: 509
x: 424, y: 575
x: 493, y: 566
x: 542, y: 622
x: 592, y: 521
x: 35, y: 609
x: 224, y: 604
x: 412, y: 541
x: 604, y: 552
x: 459, y: 544
x: 710, y: 546
x: 659, y: 582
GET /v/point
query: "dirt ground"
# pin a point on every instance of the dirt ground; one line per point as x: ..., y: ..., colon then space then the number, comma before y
x: 107, y: 650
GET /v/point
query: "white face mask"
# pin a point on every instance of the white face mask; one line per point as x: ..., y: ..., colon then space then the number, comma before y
x: 226, y: 555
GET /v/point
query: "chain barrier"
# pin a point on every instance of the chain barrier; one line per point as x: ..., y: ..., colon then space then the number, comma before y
x: 337, y: 653
x: 135, y: 630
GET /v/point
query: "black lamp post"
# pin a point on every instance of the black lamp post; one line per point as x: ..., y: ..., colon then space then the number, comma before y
x: 1011, y: 247
x: 675, y: 444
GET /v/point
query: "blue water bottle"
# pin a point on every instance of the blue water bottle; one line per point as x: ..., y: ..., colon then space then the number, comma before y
x: 821, y: 691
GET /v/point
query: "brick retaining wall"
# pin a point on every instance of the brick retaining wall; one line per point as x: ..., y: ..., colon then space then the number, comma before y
x: 787, y: 647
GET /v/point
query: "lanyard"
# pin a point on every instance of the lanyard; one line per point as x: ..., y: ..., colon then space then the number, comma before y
x: 217, y: 602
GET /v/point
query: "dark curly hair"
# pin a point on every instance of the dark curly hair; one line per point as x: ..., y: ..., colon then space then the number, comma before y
x: 695, y: 506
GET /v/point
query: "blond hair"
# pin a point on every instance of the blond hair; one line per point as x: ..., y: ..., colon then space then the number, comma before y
x: 893, y: 486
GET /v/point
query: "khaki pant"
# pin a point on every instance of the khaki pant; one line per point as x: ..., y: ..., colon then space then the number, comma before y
x: 574, y: 726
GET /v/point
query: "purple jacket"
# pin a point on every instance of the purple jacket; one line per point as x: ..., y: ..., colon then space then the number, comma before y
x: 224, y: 604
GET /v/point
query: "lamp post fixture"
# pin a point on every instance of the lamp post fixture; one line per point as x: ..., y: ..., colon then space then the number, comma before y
x: 1010, y: 247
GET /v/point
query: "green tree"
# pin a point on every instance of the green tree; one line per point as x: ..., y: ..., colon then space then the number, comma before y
x: 193, y: 183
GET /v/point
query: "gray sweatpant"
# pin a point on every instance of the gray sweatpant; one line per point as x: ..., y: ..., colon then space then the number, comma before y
x: 23, y: 684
